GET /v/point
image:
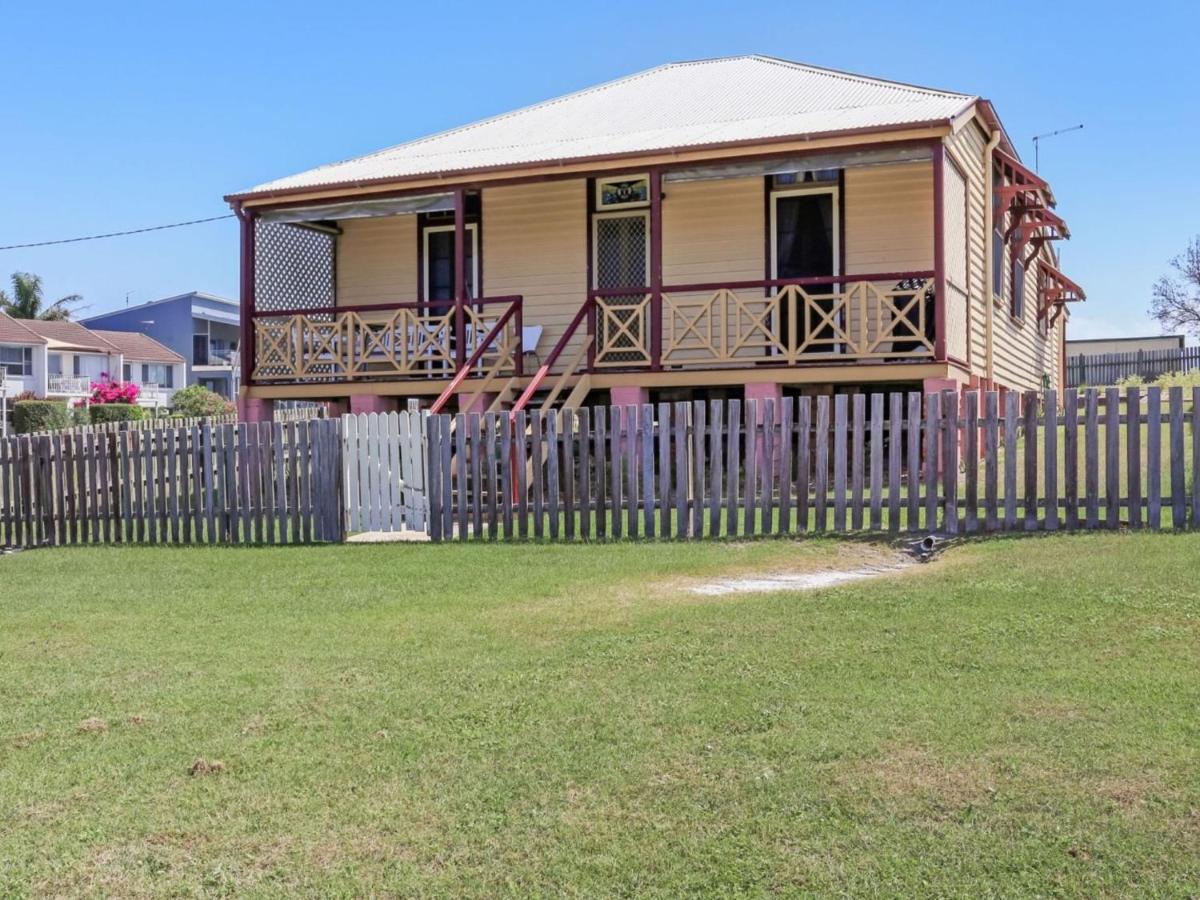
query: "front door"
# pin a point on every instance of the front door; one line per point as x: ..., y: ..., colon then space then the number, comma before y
x: 439, y: 265
x: 804, y: 225
x: 621, y: 259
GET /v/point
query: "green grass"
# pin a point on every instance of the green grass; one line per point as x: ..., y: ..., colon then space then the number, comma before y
x: 1019, y: 718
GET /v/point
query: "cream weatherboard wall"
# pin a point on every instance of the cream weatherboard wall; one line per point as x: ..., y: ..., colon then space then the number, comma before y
x: 1022, y: 352
x: 535, y: 245
x: 713, y: 231
x: 965, y: 155
x: 377, y: 261
x: 889, y: 218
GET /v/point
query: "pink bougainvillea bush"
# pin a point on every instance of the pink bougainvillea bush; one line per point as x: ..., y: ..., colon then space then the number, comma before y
x: 106, y: 390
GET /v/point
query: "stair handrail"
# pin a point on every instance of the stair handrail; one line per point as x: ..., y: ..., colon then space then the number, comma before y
x: 544, y: 369
x: 482, y: 346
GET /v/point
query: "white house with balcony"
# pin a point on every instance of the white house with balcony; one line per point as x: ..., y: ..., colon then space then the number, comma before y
x: 22, y: 359
x: 60, y: 360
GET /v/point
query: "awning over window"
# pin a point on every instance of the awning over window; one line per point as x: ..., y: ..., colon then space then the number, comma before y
x: 1056, y: 290
x: 1026, y: 198
x: 360, y: 209
x: 815, y: 162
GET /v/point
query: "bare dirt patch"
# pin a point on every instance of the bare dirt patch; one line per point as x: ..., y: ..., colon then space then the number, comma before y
x: 202, y: 766
x: 92, y: 726
x: 913, y: 773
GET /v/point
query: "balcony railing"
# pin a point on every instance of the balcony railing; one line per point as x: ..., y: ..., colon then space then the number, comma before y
x: 772, y: 322
x: 386, y: 341
x: 155, y: 394
x: 71, y: 385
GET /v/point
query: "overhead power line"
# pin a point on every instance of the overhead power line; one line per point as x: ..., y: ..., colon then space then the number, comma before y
x: 111, y: 234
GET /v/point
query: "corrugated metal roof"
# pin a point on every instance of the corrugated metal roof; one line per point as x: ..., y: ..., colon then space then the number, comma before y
x: 13, y: 331
x: 680, y: 105
x: 138, y: 347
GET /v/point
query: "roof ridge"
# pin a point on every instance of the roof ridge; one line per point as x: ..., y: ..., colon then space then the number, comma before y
x: 856, y: 76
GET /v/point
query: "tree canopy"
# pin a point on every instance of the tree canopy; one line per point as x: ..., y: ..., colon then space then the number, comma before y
x: 27, y: 301
x: 1175, y: 300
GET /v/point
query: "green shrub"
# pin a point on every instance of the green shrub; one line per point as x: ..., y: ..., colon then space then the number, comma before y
x: 40, y: 415
x: 115, y: 412
x: 1178, y: 379
x: 196, y: 400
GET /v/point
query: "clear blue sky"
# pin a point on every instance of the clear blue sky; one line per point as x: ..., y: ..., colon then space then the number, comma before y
x: 122, y: 115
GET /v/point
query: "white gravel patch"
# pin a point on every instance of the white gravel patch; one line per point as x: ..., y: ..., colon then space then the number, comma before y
x: 808, y: 581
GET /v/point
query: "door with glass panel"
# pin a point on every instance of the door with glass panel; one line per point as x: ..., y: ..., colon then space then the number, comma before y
x: 804, y: 244
x: 620, y: 259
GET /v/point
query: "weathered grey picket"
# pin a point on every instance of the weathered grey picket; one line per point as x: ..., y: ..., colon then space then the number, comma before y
x: 248, y: 483
x: 945, y: 462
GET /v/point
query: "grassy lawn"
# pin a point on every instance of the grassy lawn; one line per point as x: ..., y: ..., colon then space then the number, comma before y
x: 1019, y: 718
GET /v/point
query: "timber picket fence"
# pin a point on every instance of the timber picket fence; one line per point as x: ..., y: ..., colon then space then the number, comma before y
x: 273, y: 483
x: 847, y: 463
x: 1098, y: 369
x: 385, y: 471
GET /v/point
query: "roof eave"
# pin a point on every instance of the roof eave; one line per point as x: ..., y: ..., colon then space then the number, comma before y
x: 452, y: 176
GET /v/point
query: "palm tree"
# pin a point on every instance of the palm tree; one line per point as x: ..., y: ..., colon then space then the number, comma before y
x: 27, y: 302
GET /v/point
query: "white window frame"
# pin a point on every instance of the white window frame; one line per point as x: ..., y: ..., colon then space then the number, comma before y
x: 833, y: 190
x: 602, y: 207
x: 617, y: 214
x: 473, y: 235
x: 830, y: 188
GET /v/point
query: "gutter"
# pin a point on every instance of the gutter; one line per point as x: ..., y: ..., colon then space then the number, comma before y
x: 989, y: 232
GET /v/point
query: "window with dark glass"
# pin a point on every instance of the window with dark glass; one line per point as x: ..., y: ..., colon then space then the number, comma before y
x: 16, y: 361
x: 805, y: 235
x: 1018, y: 286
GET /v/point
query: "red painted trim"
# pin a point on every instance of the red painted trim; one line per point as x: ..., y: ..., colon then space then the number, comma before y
x: 841, y: 187
x: 544, y: 369
x: 460, y: 275
x: 763, y: 283
x: 466, y: 174
x: 590, y: 204
x: 656, y: 276
x: 246, y: 346
x: 370, y: 307
x: 768, y: 237
x: 939, y: 251
x: 482, y: 346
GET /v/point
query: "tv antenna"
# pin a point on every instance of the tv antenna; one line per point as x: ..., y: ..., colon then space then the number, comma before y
x: 1038, y: 138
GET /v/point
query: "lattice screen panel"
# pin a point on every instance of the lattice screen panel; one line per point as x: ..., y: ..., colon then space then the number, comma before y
x: 293, y: 267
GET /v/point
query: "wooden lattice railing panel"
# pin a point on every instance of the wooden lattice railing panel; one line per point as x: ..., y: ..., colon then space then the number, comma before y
x: 873, y: 318
x: 404, y: 341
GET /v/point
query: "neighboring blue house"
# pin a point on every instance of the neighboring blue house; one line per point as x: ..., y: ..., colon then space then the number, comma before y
x: 202, y: 328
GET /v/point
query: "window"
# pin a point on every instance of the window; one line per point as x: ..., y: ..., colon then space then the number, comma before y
x: 439, y: 261
x: 158, y: 374
x: 804, y: 244
x: 1018, y: 286
x: 92, y: 367
x: 16, y: 361
x: 54, y: 364
x: 813, y: 176
x: 127, y: 372
x: 622, y: 193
